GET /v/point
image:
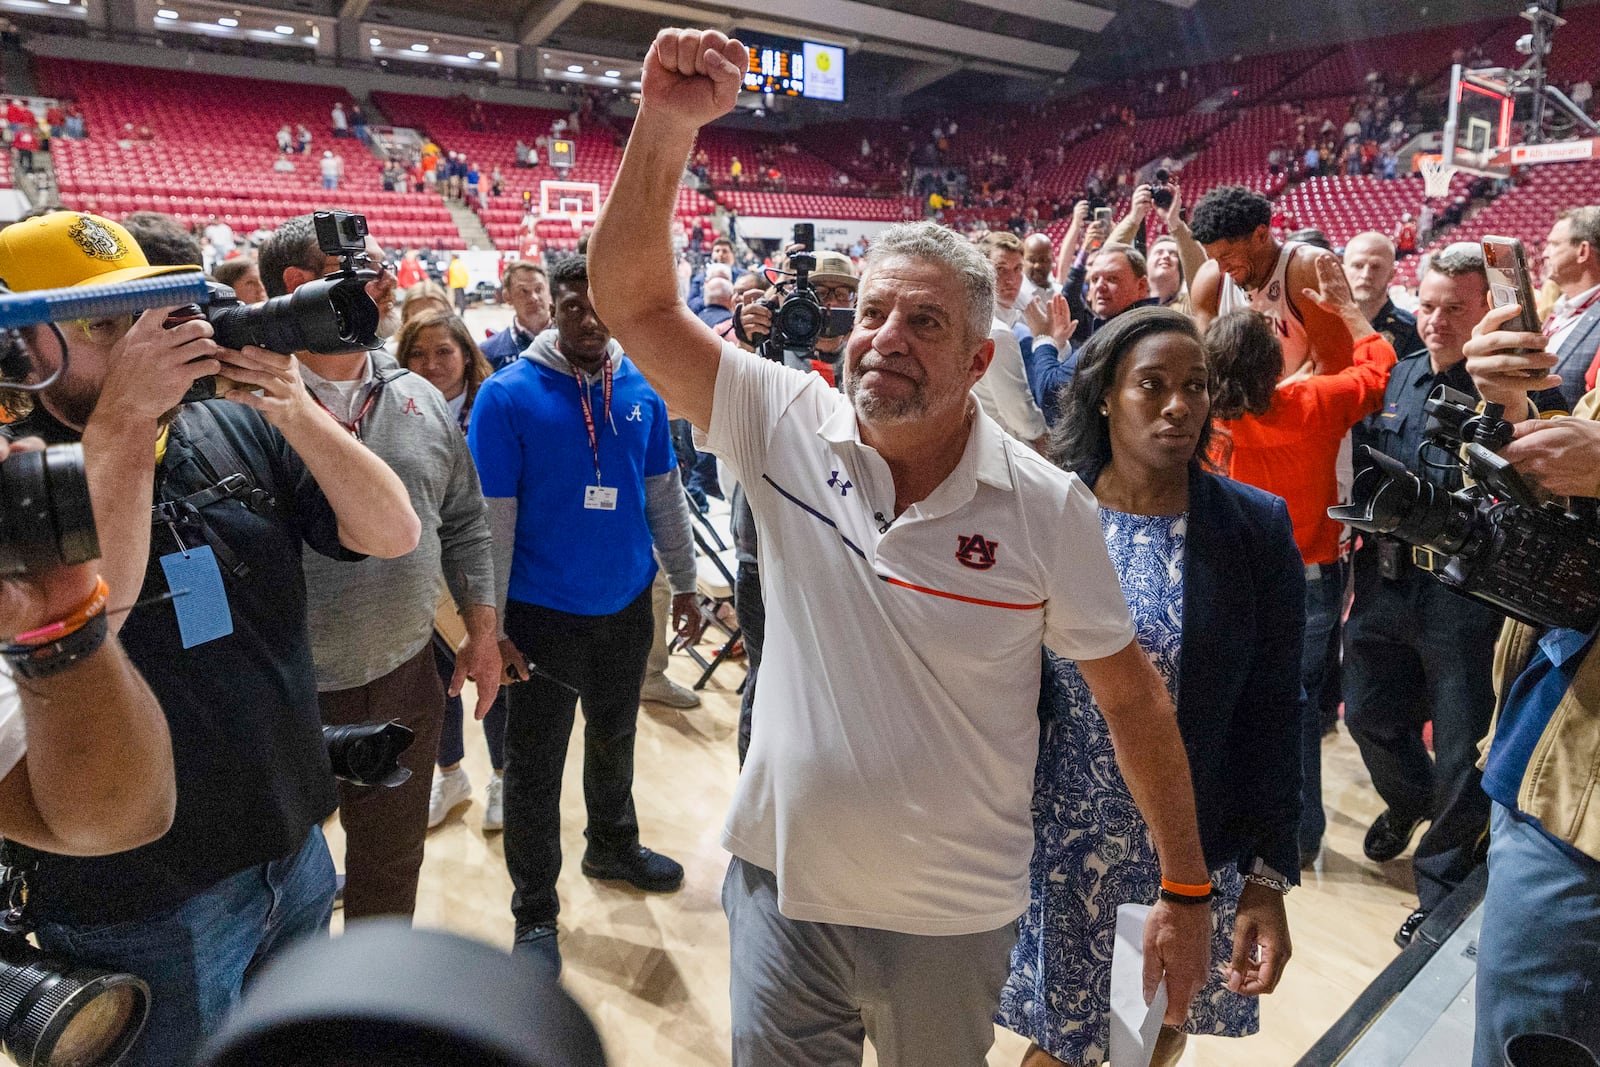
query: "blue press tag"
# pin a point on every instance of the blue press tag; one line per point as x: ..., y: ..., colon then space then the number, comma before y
x: 198, y: 596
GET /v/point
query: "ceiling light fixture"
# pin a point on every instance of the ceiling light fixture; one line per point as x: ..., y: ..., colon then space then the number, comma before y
x: 285, y: 30
x: 167, y: 13
x: 574, y: 68
x: 228, y: 22
x: 613, y: 73
x: 419, y: 47
x: 474, y: 55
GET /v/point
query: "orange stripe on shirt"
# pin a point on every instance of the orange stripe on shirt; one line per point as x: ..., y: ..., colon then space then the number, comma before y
x: 963, y: 599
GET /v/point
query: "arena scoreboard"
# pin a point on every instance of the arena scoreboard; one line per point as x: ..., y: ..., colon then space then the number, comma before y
x: 795, y: 68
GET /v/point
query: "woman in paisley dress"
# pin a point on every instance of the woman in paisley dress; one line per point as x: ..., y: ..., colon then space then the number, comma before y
x: 1216, y: 587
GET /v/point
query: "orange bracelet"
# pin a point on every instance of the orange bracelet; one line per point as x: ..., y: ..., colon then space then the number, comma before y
x: 74, y: 622
x: 1204, y: 889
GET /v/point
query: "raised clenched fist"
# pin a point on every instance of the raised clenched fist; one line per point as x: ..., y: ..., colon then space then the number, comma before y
x: 692, y: 77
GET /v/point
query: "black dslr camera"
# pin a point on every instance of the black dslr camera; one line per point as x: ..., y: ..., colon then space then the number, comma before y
x: 1493, y: 541
x: 799, y: 319
x: 329, y: 316
x: 1161, y: 191
x: 45, y: 517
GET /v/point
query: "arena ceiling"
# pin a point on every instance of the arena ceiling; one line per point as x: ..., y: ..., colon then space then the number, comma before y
x: 960, y: 48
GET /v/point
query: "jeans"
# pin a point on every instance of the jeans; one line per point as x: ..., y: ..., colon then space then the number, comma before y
x: 1539, y: 952
x: 198, y: 956
x: 452, y: 741
x: 1415, y: 651
x: 385, y: 826
x: 602, y: 657
x: 1324, y: 602
x: 752, y: 612
x: 330, y: 182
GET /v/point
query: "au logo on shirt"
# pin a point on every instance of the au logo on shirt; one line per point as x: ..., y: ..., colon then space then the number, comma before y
x: 975, y: 552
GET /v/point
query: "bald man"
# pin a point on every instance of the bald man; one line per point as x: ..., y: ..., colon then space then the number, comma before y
x: 1038, y: 256
x: 719, y: 301
x: 1369, y: 267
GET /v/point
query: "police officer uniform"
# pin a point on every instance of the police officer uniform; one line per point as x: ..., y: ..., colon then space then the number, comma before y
x: 1416, y: 651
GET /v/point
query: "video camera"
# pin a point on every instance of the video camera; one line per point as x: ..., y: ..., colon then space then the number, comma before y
x: 1161, y: 189
x: 329, y: 316
x: 1494, y: 541
x: 799, y: 319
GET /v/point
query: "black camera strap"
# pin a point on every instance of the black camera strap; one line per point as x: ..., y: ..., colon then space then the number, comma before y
x: 230, y: 479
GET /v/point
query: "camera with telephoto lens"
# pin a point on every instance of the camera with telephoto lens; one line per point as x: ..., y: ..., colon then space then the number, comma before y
x: 368, y: 753
x: 1160, y: 190
x: 57, y: 1012
x: 799, y: 318
x: 1494, y: 541
x: 329, y: 316
x: 46, y: 520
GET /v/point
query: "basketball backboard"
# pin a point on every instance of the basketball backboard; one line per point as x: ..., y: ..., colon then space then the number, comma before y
x: 1479, y: 123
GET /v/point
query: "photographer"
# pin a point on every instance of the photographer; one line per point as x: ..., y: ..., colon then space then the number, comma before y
x: 1174, y: 258
x: 372, y: 622
x: 1413, y: 649
x: 1539, y: 952
x: 880, y: 827
x: 85, y: 759
x: 835, y: 280
x: 220, y: 635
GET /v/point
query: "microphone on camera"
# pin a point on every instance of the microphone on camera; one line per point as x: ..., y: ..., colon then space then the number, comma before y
x: 101, y: 301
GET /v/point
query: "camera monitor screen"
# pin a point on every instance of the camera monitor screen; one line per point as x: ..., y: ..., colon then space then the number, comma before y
x: 795, y: 68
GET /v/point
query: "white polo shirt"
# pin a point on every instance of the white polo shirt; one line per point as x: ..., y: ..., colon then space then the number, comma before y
x: 890, y: 775
x: 13, y: 733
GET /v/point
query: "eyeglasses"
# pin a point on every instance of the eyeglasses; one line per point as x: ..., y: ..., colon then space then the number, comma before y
x: 102, y: 331
x: 836, y: 294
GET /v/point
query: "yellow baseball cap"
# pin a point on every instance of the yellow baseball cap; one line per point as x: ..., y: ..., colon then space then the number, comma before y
x: 66, y: 248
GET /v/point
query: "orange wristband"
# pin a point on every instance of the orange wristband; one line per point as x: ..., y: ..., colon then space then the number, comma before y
x: 1204, y: 889
x: 74, y: 622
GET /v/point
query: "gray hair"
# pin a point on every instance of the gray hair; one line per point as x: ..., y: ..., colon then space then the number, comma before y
x: 942, y: 245
x: 1584, y: 222
x: 1459, y: 259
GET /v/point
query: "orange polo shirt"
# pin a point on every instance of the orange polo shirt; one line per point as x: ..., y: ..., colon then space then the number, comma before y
x: 1292, y: 449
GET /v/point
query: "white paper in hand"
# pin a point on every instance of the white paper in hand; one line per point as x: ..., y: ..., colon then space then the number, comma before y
x: 1134, y: 1024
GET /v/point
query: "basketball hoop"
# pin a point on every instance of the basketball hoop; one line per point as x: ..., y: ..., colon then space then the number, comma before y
x: 1436, y: 174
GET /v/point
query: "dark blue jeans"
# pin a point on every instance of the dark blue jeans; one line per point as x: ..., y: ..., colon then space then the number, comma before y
x: 1414, y: 652
x: 198, y: 956
x: 1539, y: 952
x: 1324, y: 602
x: 452, y: 741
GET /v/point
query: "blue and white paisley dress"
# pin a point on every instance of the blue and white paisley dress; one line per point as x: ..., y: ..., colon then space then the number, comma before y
x: 1092, y: 849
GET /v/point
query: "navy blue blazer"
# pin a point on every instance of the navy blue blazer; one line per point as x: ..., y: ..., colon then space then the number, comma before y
x: 502, y: 348
x: 1239, y: 690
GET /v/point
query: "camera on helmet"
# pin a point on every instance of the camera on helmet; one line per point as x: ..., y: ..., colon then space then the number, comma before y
x: 329, y: 316
x: 1494, y: 541
x: 1161, y: 189
x: 799, y: 318
x: 46, y: 520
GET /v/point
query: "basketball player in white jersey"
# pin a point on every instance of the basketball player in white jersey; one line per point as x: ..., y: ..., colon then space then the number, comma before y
x: 1249, y: 268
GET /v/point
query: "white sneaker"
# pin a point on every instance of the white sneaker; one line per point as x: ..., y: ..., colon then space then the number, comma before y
x: 450, y: 789
x: 494, y: 804
x: 663, y: 690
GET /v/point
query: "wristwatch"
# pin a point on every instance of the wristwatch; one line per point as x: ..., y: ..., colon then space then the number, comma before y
x: 1263, y: 875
